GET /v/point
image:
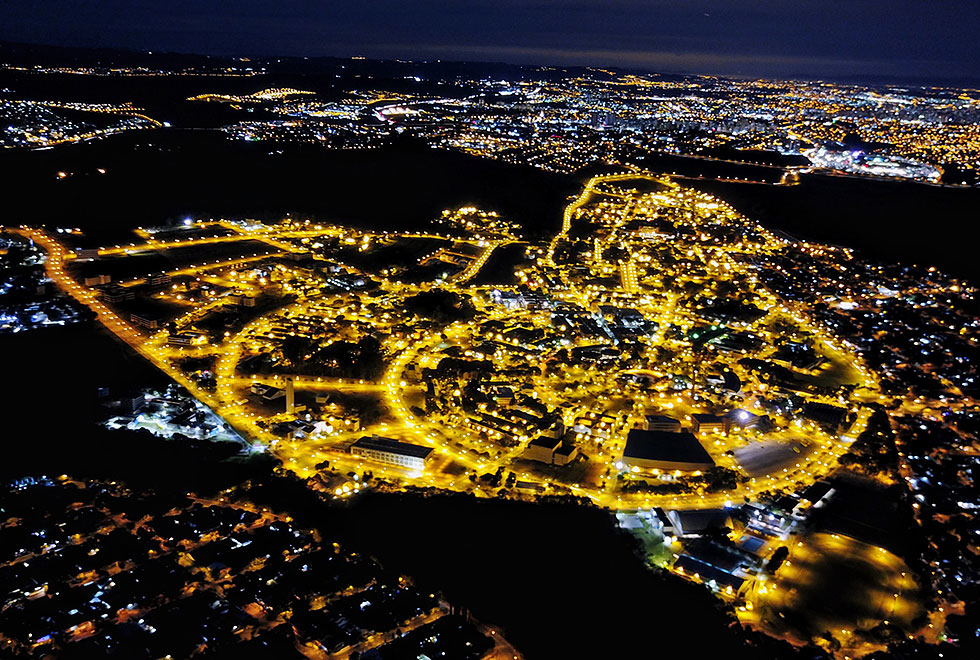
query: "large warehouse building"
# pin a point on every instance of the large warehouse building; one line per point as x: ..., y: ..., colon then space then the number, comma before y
x: 665, y: 450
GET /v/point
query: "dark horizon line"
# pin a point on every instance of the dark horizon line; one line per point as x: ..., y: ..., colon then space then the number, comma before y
x: 969, y: 83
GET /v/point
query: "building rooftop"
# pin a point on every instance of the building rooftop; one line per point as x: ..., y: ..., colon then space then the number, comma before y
x: 544, y: 442
x: 379, y: 443
x: 696, y: 521
x: 565, y: 450
x: 816, y: 492
x: 707, y: 572
x: 682, y: 447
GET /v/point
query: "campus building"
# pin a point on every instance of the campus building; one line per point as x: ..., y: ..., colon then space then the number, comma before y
x: 392, y: 452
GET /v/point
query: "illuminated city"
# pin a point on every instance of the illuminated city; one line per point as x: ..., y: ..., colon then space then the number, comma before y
x: 368, y: 358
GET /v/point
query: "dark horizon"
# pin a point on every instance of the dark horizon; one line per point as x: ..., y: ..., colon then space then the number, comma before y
x: 899, y: 41
x: 969, y: 83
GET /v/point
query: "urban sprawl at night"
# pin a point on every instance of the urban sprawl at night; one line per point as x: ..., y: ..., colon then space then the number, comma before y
x: 364, y: 358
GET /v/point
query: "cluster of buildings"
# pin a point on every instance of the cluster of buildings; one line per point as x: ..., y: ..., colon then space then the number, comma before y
x: 562, y: 122
x: 912, y: 325
x: 735, y: 549
x: 36, y: 124
x: 858, y: 162
x: 39, y: 314
x: 28, y: 299
x: 239, y: 68
x: 168, y: 413
x: 939, y: 464
x: 94, y: 570
x: 621, y: 352
x: 638, y: 336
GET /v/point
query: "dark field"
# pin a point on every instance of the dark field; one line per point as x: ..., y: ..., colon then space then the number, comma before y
x: 694, y: 167
x: 55, y: 375
x: 125, y: 267
x: 156, y: 177
x: 499, y: 269
x: 884, y: 220
x: 559, y: 580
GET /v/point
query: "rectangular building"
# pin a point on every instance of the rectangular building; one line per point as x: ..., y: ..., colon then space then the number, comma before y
x: 663, y: 450
x: 542, y: 449
x: 97, y: 280
x: 701, y: 424
x: 144, y: 321
x: 114, y: 293
x: 825, y: 414
x: 392, y: 452
x: 186, y: 339
x: 662, y: 423
x: 159, y: 279
x: 565, y: 454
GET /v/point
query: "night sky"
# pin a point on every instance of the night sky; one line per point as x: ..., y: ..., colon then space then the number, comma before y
x: 914, y: 39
